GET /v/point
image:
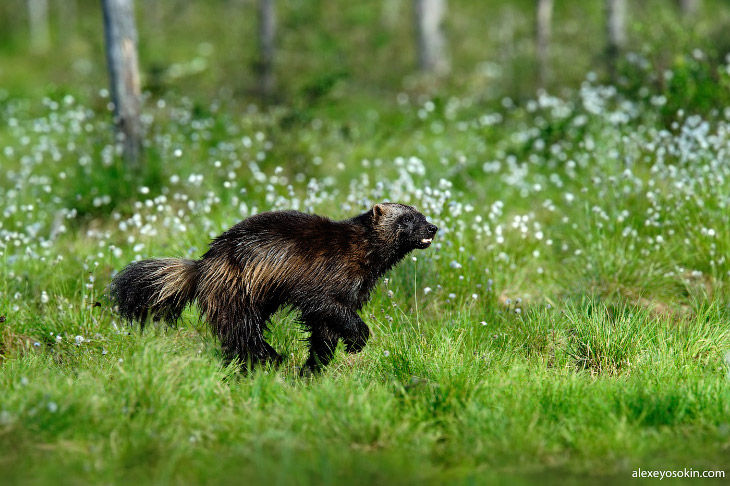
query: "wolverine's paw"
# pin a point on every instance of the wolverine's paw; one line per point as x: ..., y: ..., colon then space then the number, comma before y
x: 355, y: 346
x: 358, y: 340
x: 305, y: 372
x: 313, y: 366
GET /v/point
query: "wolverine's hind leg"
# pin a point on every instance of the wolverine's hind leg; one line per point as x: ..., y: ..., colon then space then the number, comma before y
x: 250, y: 350
x: 328, y: 325
x: 241, y: 335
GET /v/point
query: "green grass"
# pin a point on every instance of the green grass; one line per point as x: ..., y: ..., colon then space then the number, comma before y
x: 458, y: 402
x: 569, y: 325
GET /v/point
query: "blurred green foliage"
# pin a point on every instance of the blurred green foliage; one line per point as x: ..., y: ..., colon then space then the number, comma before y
x: 338, y: 49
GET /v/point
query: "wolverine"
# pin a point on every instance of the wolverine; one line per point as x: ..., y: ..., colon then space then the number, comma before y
x: 322, y: 268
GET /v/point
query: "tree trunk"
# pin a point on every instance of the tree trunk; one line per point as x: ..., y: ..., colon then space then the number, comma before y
x: 267, y: 34
x: 432, y: 51
x: 689, y: 7
x: 40, y: 37
x: 616, y: 29
x: 121, y: 52
x: 390, y: 13
x: 544, y: 18
x: 67, y: 18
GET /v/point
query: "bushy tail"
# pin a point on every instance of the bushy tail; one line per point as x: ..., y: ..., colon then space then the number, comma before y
x: 159, y: 288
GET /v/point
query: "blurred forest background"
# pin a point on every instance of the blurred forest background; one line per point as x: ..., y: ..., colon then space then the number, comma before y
x: 366, y: 51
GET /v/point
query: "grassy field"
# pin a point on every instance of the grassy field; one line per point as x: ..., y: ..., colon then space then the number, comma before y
x: 569, y: 325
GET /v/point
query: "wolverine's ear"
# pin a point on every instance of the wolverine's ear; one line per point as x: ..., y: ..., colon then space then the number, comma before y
x: 379, y: 210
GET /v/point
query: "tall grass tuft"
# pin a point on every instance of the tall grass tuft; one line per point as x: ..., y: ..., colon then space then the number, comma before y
x: 609, y: 340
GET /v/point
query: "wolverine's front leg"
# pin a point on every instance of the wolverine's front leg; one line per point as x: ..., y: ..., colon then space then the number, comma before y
x: 330, y: 324
x: 357, y: 335
x: 322, y: 346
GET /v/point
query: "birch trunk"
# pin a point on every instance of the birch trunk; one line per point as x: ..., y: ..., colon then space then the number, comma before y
x: 544, y: 18
x: 431, y: 40
x: 40, y: 37
x: 689, y: 7
x: 121, y: 52
x: 267, y: 35
x: 67, y: 18
x: 616, y: 30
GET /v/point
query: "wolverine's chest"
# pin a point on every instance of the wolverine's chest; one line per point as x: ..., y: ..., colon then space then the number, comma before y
x: 363, y: 291
x: 353, y: 292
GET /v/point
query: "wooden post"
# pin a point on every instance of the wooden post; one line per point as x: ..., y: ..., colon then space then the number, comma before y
x: 121, y: 53
x: 430, y: 37
x: 544, y: 18
x: 616, y: 30
x: 267, y: 34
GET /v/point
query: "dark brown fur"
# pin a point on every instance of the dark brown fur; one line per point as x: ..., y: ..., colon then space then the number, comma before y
x: 326, y: 269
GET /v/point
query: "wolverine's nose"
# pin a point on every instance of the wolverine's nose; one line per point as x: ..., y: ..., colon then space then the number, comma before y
x: 432, y: 228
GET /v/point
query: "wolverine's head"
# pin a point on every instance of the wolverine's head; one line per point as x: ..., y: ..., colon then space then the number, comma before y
x: 402, y: 225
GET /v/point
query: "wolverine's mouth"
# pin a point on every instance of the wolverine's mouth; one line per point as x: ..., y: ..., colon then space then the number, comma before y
x: 424, y: 243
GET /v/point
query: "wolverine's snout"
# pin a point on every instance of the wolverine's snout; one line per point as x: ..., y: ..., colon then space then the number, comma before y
x: 430, y: 231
